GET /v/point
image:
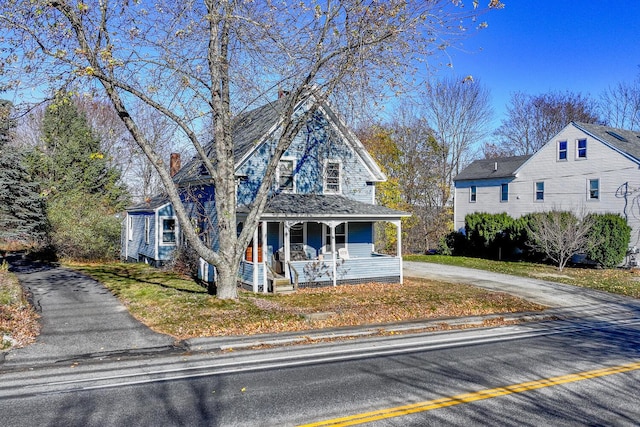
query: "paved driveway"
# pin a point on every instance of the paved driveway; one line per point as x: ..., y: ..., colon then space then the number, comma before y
x: 80, y: 318
x: 571, y: 300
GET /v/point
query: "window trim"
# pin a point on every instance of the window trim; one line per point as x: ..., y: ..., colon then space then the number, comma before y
x: 473, y: 194
x: 325, y: 176
x: 537, y: 191
x: 279, y: 188
x: 561, y: 151
x: 589, y: 190
x: 130, y: 227
x: 579, y: 150
x: 176, y: 227
x: 504, y: 199
x: 147, y: 230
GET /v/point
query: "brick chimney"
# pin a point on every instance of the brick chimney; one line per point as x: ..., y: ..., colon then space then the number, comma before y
x: 174, y: 164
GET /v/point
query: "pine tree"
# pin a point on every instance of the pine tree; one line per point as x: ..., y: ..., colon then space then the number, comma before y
x: 22, y: 212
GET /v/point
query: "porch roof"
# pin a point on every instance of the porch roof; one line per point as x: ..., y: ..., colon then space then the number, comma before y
x: 326, y: 206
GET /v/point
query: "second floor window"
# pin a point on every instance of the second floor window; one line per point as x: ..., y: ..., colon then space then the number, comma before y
x: 582, y: 148
x: 332, y: 177
x: 285, y: 176
x: 562, y: 150
x: 504, y: 192
x: 473, y: 195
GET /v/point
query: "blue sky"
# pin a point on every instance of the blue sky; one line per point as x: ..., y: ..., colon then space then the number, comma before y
x: 542, y: 46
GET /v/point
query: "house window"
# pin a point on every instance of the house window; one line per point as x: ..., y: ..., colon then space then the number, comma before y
x: 539, y: 191
x: 341, y: 237
x: 473, y: 196
x: 332, y: 177
x: 581, y: 146
x: 562, y: 150
x: 504, y: 192
x: 286, y: 182
x: 147, y: 229
x: 130, y: 227
x: 594, y: 189
x: 169, y: 231
x: 296, y: 234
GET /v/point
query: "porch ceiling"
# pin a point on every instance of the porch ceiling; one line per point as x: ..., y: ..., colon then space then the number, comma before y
x: 326, y: 206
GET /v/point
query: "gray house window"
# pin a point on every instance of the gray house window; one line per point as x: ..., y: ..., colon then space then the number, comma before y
x: 504, y: 192
x: 168, y: 231
x: 594, y: 189
x: 286, y: 168
x: 581, y: 147
x: 540, y: 191
x: 562, y: 150
x: 473, y: 195
x: 332, y: 177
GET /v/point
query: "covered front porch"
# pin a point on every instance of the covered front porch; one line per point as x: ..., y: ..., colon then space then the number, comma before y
x: 330, y: 242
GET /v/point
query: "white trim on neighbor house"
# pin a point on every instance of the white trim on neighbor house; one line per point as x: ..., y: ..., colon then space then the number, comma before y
x: 593, y: 193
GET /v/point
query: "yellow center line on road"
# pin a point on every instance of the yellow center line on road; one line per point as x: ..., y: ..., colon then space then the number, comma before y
x: 428, y: 405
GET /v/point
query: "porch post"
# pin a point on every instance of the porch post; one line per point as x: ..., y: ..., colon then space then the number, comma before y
x: 287, y: 249
x: 399, y: 247
x: 254, y: 258
x: 265, y: 285
x: 333, y: 252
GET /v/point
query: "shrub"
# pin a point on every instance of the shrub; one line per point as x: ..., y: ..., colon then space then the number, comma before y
x: 609, y: 237
x: 454, y: 243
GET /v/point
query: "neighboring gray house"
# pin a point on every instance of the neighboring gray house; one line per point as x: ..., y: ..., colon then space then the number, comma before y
x: 584, y: 168
x: 318, y: 226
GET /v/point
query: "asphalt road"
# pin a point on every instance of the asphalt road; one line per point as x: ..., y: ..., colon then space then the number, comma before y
x: 306, y: 384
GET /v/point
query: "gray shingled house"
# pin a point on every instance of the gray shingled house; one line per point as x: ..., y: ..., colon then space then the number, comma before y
x: 584, y: 168
x: 318, y: 226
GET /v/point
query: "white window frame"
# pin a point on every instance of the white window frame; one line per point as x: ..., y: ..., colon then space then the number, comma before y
x: 160, y: 232
x: 589, y: 197
x: 130, y: 227
x: 565, y: 151
x: 326, y: 236
x: 536, y: 191
x: 147, y: 229
x: 473, y: 194
x: 578, y: 149
x: 325, y: 177
x: 303, y: 225
x: 293, y: 175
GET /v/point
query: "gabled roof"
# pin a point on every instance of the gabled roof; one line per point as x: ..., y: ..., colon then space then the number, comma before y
x: 250, y: 129
x: 325, y: 206
x: 624, y: 141
x: 150, y: 205
x: 502, y: 167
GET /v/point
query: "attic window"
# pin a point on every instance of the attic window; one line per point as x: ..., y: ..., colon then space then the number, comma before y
x: 617, y: 136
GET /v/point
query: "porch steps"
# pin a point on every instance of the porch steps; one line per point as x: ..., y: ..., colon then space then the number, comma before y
x: 282, y: 285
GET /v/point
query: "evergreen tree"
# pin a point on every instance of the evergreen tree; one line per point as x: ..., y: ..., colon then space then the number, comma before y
x: 83, y: 191
x: 22, y: 213
x: 72, y: 159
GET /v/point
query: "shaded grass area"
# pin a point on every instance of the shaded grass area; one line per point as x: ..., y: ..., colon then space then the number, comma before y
x: 180, y: 307
x: 615, y: 280
x: 18, y: 319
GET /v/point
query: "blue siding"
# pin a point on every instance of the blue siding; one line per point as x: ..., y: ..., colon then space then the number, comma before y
x: 316, y: 143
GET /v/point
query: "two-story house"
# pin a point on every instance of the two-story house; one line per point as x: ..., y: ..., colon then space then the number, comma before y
x: 584, y: 168
x: 318, y: 225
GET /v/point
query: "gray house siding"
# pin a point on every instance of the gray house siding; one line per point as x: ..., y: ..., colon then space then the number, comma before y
x: 566, y: 183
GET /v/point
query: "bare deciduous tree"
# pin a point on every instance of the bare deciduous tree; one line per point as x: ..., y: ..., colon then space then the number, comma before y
x: 560, y: 235
x: 532, y: 120
x: 620, y: 105
x: 198, y: 61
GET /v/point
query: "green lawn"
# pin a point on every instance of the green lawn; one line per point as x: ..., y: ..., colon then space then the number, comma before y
x: 619, y: 281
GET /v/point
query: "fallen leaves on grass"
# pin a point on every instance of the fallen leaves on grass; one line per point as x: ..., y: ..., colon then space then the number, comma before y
x: 18, y: 320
